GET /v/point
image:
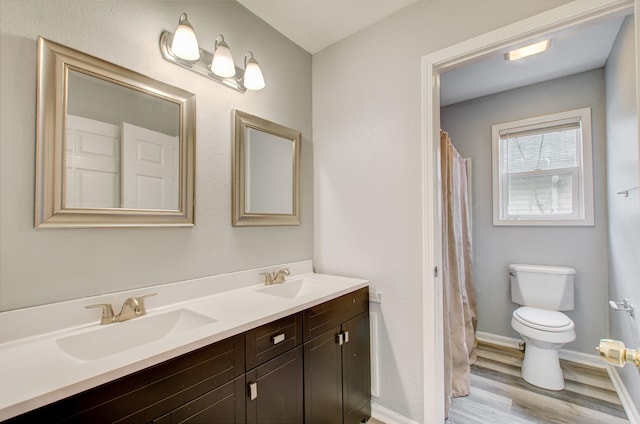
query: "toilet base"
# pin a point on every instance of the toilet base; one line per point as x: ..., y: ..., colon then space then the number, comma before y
x: 541, y: 367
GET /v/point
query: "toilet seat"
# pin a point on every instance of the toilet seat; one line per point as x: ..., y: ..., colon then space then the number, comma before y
x: 543, y: 319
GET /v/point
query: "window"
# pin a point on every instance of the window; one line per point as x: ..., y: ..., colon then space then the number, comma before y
x: 542, y: 170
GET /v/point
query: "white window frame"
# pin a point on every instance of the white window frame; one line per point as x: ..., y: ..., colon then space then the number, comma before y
x: 583, y: 193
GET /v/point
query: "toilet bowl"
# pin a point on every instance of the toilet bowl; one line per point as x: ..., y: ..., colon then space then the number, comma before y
x: 542, y: 291
x: 544, y: 332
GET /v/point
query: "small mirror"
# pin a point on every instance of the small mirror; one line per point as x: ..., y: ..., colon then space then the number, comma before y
x: 266, y: 172
x: 114, y: 147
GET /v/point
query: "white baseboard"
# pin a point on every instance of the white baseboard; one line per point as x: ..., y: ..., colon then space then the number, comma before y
x: 580, y: 358
x: 623, y: 394
x: 498, y: 340
x: 569, y: 355
x: 387, y: 416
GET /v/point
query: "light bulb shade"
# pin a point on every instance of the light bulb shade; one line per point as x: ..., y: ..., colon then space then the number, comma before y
x: 527, y: 51
x: 222, y: 62
x: 185, y: 43
x: 253, y: 78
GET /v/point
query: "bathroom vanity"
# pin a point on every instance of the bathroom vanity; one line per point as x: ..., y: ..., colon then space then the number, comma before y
x: 307, y: 362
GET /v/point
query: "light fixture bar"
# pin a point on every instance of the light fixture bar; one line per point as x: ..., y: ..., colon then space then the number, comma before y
x: 529, y: 50
x: 200, y: 66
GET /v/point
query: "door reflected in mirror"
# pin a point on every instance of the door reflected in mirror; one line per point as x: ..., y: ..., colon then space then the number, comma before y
x: 122, y: 147
x: 115, y: 148
x: 266, y: 175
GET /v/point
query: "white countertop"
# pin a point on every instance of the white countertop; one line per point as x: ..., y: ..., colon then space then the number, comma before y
x: 35, y: 371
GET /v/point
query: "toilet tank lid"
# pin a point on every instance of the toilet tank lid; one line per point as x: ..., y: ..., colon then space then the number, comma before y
x: 547, y: 269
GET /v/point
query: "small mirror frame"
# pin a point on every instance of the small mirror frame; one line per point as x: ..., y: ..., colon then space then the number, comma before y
x: 54, y: 60
x: 240, y: 216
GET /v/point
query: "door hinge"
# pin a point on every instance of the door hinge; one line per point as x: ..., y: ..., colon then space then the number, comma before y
x: 435, y: 272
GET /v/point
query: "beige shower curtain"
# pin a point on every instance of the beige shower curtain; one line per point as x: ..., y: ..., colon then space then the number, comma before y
x: 459, y: 296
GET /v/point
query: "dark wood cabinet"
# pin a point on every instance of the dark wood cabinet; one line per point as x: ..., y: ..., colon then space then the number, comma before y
x: 312, y: 367
x: 152, y: 393
x: 323, y: 379
x: 274, y: 377
x: 356, y: 370
x: 337, y: 375
x: 272, y: 339
x: 276, y: 390
x: 223, y: 405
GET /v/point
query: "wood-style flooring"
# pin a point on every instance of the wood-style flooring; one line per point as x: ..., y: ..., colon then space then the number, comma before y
x: 500, y: 395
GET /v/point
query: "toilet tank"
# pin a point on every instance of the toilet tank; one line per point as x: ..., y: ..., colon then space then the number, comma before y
x: 542, y: 286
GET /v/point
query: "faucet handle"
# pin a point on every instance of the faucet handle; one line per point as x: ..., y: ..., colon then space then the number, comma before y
x: 107, y: 312
x: 141, y: 308
x: 280, y: 276
x: 268, y: 277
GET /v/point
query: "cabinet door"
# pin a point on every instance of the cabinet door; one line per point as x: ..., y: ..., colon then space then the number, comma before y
x: 224, y: 405
x: 275, y: 390
x: 323, y: 379
x: 356, y: 370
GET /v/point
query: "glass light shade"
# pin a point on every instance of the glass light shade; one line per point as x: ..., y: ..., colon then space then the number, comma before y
x: 253, y: 79
x: 528, y: 50
x: 222, y: 62
x: 185, y: 43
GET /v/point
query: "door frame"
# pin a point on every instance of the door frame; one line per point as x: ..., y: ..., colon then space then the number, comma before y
x: 572, y: 14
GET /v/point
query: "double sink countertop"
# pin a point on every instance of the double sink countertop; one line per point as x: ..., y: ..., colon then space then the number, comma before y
x: 54, y: 351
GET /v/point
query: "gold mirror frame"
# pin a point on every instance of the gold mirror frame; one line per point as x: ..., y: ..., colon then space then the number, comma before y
x: 54, y: 63
x: 241, y: 217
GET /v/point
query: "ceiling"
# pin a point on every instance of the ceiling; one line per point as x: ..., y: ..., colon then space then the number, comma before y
x: 316, y: 24
x: 571, y: 52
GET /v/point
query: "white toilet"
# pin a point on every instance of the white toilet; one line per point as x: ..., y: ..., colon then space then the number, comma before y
x: 542, y: 291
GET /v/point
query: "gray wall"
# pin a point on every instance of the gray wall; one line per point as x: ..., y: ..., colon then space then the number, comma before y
x: 40, y: 266
x: 583, y: 248
x: 367, y: 169
x: 624, y: 212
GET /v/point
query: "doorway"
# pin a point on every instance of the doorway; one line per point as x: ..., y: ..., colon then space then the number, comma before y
x: 532, y: 29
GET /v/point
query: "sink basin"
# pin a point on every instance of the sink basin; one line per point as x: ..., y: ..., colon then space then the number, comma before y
x: 293, y: 289
x: 118, y: 337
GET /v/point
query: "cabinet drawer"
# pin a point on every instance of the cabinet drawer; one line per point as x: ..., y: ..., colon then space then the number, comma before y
x: 272, y: 339
x: 223, y: 405
x: 324, y: 317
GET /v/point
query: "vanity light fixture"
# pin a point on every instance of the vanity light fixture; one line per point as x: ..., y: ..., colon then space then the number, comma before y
x: 185, y: 44
x: 222, y: 62
x: 253, y: 78
x: 181, y: 48
x: 529, y: 50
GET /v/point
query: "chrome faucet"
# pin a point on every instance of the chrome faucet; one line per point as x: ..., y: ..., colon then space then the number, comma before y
x: 132, y: 307
x: 275, y: 277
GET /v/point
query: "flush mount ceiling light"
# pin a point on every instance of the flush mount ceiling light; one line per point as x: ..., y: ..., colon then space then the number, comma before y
x: 181, y: 48
x: 529, y: 50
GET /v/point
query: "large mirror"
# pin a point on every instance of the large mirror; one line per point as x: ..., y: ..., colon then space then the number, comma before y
x: 114, y: 148
x: 266, y: 172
